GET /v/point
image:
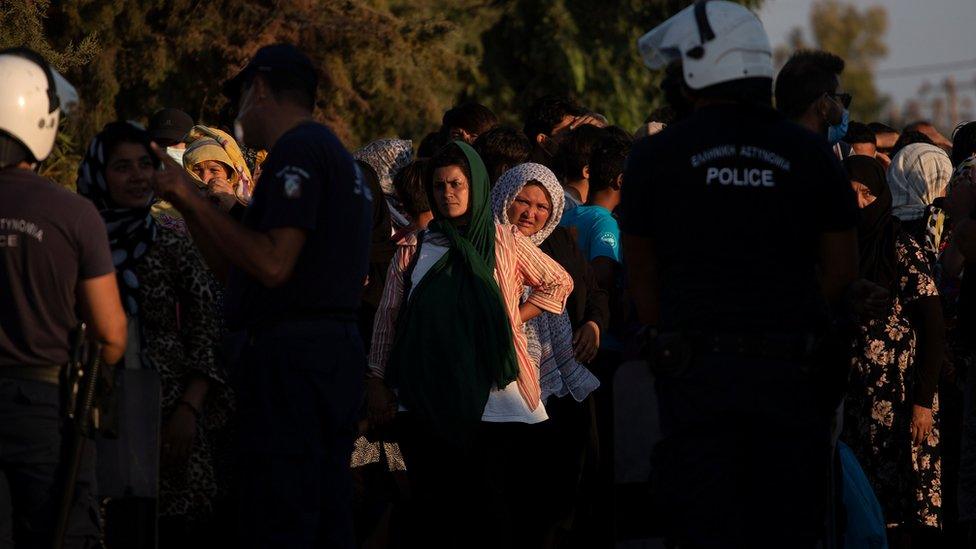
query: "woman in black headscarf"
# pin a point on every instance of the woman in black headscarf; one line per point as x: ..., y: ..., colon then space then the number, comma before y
x: 889, y: 413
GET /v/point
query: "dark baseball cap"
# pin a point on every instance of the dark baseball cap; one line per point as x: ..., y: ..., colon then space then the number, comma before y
x: 169, y: 125
x: 278, y: 62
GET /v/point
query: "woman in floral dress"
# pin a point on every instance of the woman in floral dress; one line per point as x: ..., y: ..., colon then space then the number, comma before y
x: 892, y: 404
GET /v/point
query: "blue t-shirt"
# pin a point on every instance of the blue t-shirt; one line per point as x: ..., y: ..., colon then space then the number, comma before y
x: 597, y: 231
x: 309, y: 181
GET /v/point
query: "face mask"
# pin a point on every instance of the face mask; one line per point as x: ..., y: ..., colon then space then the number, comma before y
x: 837, y: 132
x: 238, y: 126
x: 176, y: 154
x: 238, y: 131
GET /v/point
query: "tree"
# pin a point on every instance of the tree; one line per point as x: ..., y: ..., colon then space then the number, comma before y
x: 855, y: 35
x: 389, y: 67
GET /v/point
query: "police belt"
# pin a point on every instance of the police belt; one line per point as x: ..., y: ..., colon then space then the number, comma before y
x: 44, y: 374
x: 781, y: 346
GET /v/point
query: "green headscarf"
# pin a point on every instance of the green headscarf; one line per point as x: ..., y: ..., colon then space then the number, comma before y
x: 454, y: 339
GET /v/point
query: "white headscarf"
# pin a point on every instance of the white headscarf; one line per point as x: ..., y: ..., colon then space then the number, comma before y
x: 917, y: 176
x: 549, y: 337
x: 513, y: 181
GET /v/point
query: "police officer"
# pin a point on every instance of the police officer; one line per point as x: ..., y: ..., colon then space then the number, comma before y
x: 739, y: 232
x: 55, y: 271
x: 295, y: 271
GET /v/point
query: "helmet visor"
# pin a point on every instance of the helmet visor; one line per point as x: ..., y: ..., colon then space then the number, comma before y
x: 67, y: 94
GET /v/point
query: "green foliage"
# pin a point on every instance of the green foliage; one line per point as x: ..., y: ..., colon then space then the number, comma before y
x: 858, y: 37
x: 390, y: 67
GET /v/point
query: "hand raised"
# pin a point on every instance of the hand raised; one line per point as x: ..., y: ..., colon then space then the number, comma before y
x: 171, y: 183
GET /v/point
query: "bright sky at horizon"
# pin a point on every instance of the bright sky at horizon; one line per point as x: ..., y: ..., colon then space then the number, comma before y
x: 920, y: 33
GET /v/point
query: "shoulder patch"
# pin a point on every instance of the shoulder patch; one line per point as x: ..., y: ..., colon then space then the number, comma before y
x: 292, y: 179
x: 609, y: 239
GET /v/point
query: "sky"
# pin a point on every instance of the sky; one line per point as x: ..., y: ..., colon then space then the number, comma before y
x: 920, y: 32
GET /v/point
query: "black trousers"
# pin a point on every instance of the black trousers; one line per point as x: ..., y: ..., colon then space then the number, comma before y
x: 485, y: 496
x: 300, y: 386
x: 30, y: 451
x: 744, y: 459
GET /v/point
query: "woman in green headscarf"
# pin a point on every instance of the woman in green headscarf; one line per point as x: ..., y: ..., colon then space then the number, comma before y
x: 448, y: 339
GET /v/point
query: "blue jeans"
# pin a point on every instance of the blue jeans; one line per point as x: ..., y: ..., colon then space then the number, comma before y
x: 30, y: 451
x: 745, y: 454
x: 300, y: 387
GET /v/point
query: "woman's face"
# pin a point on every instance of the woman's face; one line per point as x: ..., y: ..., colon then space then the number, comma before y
x: 451, y: 190
x: 531, y: 209
x: 864, y: 196
x: 127, y: 175
x: 211, y: 169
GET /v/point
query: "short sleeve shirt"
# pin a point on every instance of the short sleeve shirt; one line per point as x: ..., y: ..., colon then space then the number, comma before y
x: 309, y: 181
x: 735, y: 199
x: 598, y: 232
x: 50, y: 240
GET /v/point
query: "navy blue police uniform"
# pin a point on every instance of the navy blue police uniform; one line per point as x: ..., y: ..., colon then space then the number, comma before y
x: 300, y: 372
x: 735, y: 199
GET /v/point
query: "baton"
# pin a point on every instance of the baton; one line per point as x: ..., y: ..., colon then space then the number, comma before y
x: 78, y: 427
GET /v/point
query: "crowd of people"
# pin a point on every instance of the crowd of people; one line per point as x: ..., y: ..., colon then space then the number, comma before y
x: 416, y: 346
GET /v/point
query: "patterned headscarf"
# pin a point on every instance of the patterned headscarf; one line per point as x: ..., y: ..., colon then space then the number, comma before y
x: 387, y: 157
x: 131, y: 231
x: 513, y: 181
x: 964, y: 174
x: 549, y: 336
x: 205, y: 143
x: 917, y: 176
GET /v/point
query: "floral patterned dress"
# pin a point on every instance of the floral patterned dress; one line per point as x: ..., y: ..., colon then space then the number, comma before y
x: 878, y: 411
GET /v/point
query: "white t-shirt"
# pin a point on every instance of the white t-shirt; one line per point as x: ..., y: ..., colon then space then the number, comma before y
x: 504, y: 405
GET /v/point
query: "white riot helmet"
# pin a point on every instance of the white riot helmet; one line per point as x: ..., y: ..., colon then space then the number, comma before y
x: 716, y: 41
x: 32, y: 99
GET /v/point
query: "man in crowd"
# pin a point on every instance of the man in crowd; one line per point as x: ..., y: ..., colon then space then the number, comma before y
x: 547, y: 122
x: 886, y: 137
x: 927, y: 128
x: 808, y: 93
x: 294, y: 271
x: 728, y: 215
x: 55, y: 271
x: 572, y: 163
x: 167, y: 128
x: 864, y: 142
x: 467, y: 121
x: 502, y: 148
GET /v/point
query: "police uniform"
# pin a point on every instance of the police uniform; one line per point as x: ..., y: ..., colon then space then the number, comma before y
x: 301, y: 369
x: 735, y: 199
x: 50, y: 240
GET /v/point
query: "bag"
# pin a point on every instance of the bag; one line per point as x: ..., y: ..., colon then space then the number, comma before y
x: 865, y: 521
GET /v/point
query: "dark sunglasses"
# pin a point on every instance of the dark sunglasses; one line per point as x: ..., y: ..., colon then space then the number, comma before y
x: 844, y: 98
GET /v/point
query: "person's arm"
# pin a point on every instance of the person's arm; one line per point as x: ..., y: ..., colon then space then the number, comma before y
x: 604, y: 271
x: 642, y: 272
x: 380, y: 401
x: 838, y: 262
x: 550, y: 284
x: 929, y: 324
x: 100, y: 307
x: 269, y: 257
x: 596, y: 314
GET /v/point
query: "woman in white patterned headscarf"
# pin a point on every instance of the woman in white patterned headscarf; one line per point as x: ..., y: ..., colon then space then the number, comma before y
x: 918, y: 177
x: 530, y: 197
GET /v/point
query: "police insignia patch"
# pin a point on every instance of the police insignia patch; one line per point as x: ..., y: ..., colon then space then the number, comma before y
x: 291, y: 181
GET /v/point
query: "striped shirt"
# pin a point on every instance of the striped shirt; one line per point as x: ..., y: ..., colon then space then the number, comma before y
x: 518, y: 263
